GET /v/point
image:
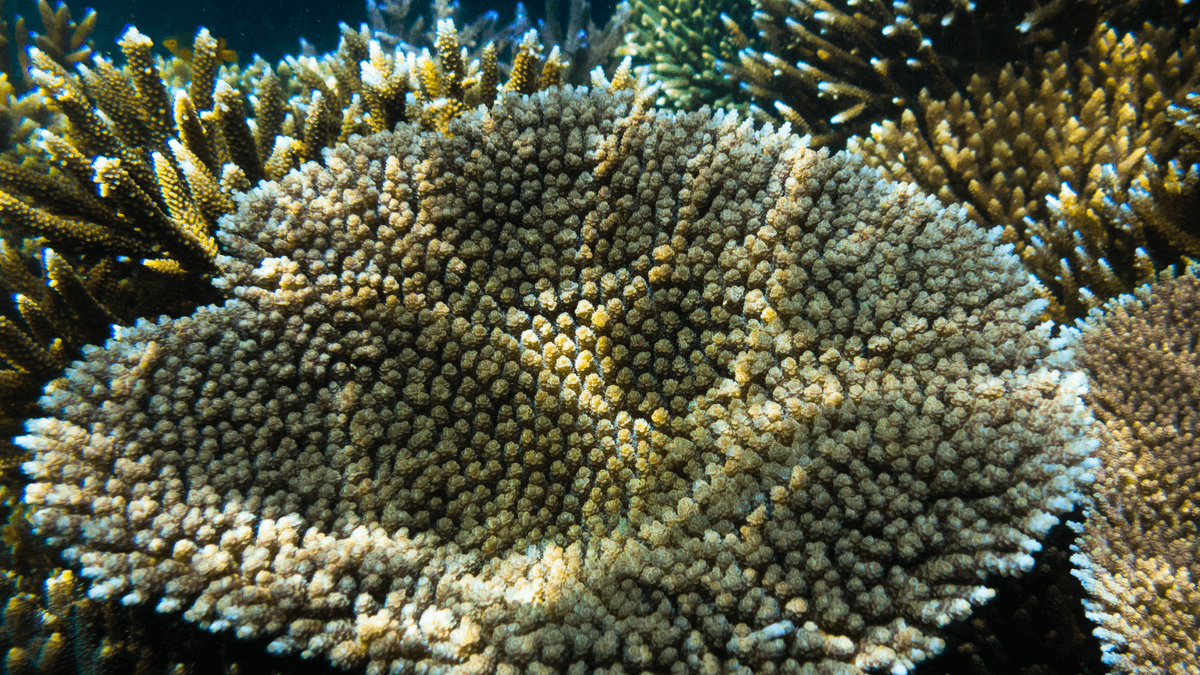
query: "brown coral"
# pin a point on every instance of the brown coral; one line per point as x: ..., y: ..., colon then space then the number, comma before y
x: 476, y: 404
x: 1140, y: 547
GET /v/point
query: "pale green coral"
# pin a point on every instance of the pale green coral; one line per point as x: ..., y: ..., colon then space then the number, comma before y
x: 684, y: 43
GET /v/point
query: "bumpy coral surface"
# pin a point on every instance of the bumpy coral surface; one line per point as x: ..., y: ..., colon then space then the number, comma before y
x: 1139, y: 552
x: 578, y: 386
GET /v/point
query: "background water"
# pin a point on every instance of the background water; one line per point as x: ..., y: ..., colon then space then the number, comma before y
x: 270, y: 28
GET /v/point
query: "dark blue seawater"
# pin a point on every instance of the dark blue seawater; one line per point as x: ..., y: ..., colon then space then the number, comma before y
x: 271, y: 28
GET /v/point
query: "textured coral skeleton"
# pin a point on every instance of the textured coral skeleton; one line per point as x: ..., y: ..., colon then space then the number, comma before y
x: 580, y: 384
x: 1139, y: 547
x: 307, y: 104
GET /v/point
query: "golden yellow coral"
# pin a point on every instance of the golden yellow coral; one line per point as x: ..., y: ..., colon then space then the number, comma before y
x: 23, y: 353
x: 454, y: 71
x: 443, y: 87
x: 269, y: 113
x: 151, y: 93
x: 238, y: 141
x: 1070, y: 156
x: 94, y: 202
x: 833, y: 68
x: 204, y: 69
x: 451, y: 90
x: 524, y: 68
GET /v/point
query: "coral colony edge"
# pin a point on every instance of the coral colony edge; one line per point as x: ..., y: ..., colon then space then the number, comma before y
x: 454, y: 352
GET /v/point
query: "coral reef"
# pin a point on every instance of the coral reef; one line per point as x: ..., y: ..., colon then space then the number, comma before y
x: 683, y: 44
x: 581, y: 384
x: 104, y: 213
x: 833, y: 67
x: 1139, y: 547
x: 118, y: 212
x: 1086, y: 163
x: 49, y: 625
x: 572, y: 513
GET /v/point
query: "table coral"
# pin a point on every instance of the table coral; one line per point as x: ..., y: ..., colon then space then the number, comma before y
x: 580, y: 385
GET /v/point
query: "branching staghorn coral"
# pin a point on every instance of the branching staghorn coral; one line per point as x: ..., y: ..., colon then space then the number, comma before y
x: 111, y: 204
x: 1083, y: 161
x: 1139, y: 547
x: 63, y: 40
x: 833, y: 67
x: 51, y: 313
x: 581, y: 384
x: 363, y: 88
x: 684, y: 43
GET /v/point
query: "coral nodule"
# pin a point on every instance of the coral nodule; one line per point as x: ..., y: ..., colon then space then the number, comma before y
x: 581, y: 386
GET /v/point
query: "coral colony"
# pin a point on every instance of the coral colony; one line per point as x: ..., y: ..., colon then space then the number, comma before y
x: 475, y: 349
